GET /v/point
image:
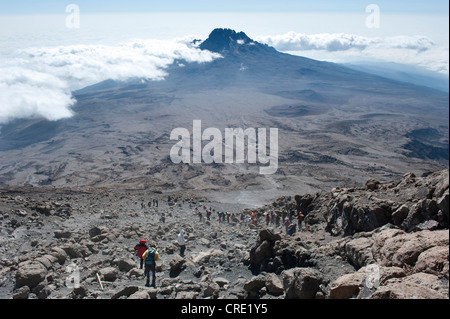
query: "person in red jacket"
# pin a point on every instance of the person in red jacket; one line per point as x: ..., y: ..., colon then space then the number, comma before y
x: 140, y: 249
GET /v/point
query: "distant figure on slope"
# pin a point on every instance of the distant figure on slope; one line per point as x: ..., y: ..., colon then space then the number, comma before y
x: 286, y: 224
x: 267, y: 219
x: 150, y: 256
x: 277, y: 220
x: 181, y: 242
x: 291, y: 229
x: 300, y: 219
x: 140, y: 249
x: 163, y: 218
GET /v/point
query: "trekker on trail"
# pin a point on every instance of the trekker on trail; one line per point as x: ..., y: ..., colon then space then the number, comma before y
x: 291, y: 229
x: 163, y: 217
x: 277, y: 219
x: 140, y: 249
x: 151, y: 256
x: 267, y: 219
x: 286, y: 223
x: 300, y: 219
x: 181, y: 242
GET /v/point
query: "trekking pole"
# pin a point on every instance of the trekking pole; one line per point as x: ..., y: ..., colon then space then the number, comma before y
x: 99, y: 281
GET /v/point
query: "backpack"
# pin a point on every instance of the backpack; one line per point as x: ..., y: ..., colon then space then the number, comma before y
x: 150, y: 256
x: 140, y: 250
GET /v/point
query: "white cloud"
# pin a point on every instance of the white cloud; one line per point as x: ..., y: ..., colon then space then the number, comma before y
x: 37, y: 82
x: 342, y: 47
x: 27, y: 93
x: 293, y: 41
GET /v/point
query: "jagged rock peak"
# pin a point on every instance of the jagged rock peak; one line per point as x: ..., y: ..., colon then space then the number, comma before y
x: 221, y: 40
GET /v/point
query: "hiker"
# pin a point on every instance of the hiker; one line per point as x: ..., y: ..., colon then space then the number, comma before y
x: 291, y: 229
x: 208, y: 214
x: 267, y: 219
x: 277, y: 220
x: 228, y: 217
x: 151, y: 256
x: 163, y: 218
x: 286, y: 223
x: 140, y: 249
x: 181, y: 242
x: 300, y: 219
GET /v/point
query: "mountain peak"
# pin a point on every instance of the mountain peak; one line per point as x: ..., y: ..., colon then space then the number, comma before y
x: 228, y: 40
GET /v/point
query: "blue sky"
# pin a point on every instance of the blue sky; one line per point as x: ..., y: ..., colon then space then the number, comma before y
x: 108, y: 6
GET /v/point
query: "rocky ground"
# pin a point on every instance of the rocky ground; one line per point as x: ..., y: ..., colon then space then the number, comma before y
x: 380, y: 240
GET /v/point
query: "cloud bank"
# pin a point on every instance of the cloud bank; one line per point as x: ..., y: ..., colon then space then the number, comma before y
x: 342, y: 47
x: 37, y: 82
x: 293, y: 41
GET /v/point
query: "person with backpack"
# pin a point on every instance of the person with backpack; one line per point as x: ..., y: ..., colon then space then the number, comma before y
x: 140, y: 249
x: 291, y: 229
x: 151, y: 256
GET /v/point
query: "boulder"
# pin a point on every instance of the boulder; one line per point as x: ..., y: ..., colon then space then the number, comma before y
x: 109, y: 273
x: 267, y: 234
x: 347, y: 286
x: 396, y: 248
x: 261, y: 252
x: 416, y: 286
x: 59, y: 254
x: 274, y: 284
x: 205, y: 256
x: 80, y: 292
x: 301, y: 283
x: 177, y: 263
x: 221, y: 281
x: 75, y: 250
x: 399, y: 215
x: 21, y: 293
x: 434, y: 261
x: 30, y: 274
x: 126, y: 264
x: 62, y: 234
x: 372, y: 184
x: 211, y: 290
x: 359, y: 252
x: 255, y: 284
x: 126, y: 291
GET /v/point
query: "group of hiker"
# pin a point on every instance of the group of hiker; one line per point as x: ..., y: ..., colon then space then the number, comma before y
x: 274, y: 218
x: 151, y: 202
x: 148, y: 254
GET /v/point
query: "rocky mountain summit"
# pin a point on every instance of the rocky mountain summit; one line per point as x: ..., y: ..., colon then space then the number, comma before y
x: 381, y: 240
